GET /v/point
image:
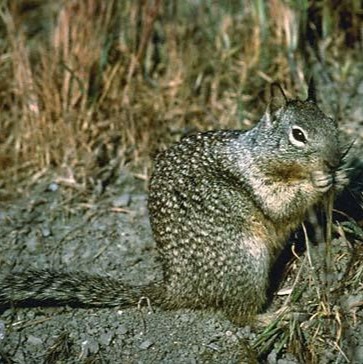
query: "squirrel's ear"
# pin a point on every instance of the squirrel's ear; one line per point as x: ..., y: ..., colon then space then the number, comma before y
x: 311, y: 90
x: 278, y: 99
x: 277, y: 92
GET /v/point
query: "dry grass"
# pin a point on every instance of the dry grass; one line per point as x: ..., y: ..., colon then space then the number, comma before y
x: 77, y: 75
x: 319, y: 315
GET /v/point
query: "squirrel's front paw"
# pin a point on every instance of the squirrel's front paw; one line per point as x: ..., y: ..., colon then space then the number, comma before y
x: 341, y: 179
x: 322, y: 181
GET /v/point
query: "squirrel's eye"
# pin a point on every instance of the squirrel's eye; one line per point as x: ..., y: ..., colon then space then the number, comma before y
x: 299, y: 135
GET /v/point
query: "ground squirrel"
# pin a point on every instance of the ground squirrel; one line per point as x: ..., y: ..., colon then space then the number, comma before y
x: 222, y: 206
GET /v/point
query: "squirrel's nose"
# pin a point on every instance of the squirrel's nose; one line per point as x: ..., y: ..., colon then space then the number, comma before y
x: 333, y: 162
x: 332, y: 157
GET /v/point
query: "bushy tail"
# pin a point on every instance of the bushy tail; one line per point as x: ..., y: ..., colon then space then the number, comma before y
x: 78, y: 289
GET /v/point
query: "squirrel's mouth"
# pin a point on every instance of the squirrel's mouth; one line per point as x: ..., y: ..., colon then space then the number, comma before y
x: 334, y: 173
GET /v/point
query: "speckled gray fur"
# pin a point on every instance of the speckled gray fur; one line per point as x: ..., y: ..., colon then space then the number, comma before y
x: 222, y: 205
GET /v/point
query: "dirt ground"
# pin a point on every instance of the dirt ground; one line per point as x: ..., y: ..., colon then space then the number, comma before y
x: 59, y: 225
x: 109, y: 235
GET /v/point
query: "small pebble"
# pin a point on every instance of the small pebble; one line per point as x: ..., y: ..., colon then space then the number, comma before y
x: 34, y: 340
x: 122, y: 329
x: 53, y: 187
x: 45, y: 231
x: 360, y: 88
x: 146, y: 344
x: 106, y: 338
x: 2, y: 215
x: 122, y: 201
x: 214, y: 346
x: 2, y: 330
x: 89, y: 346
x: 358, y: 355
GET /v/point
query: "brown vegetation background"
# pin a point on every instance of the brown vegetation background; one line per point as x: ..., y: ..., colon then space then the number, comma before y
x: 87, y: 83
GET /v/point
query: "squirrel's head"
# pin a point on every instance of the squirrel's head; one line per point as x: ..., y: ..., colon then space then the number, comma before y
x: 297, y: 133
